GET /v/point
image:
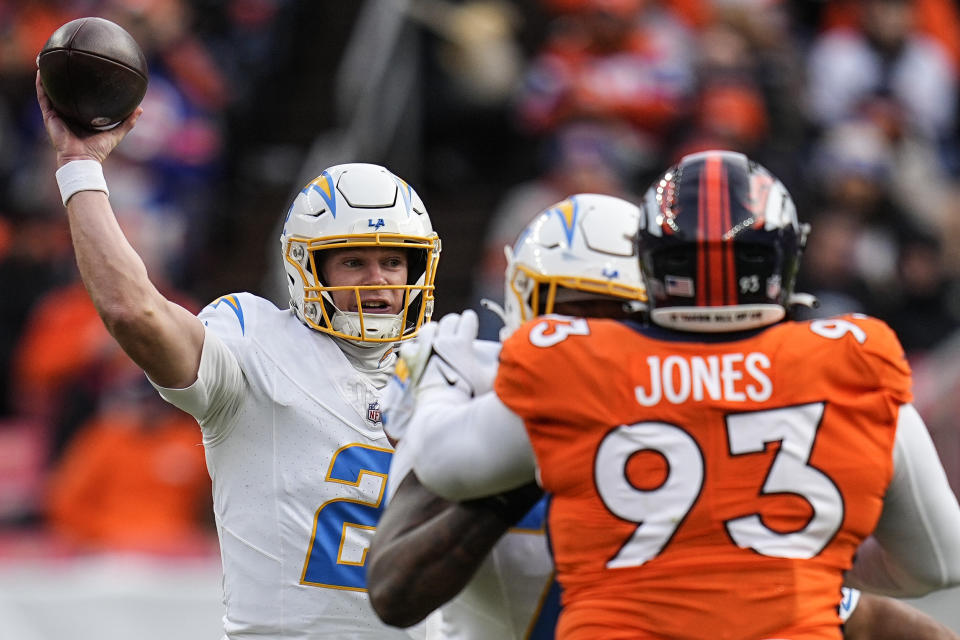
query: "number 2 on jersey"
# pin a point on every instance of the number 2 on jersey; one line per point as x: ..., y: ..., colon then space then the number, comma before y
x: 660, y: 512
x: 343, y: 527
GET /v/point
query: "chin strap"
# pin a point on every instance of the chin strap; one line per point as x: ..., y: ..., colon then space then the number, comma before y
x: 376, y: 325
x: 803, y: 300
x: 494, y: 308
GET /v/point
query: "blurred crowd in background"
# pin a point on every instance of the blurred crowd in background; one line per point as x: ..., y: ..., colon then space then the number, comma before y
x: 492, y: 110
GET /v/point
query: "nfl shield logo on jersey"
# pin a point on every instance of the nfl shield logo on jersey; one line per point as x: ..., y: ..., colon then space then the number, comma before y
x: 373, y: 412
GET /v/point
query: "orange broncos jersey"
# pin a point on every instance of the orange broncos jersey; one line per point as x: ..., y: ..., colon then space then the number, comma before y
x: 707, y: 488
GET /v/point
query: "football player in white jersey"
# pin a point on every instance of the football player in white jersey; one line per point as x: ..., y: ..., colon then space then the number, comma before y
x: 288, y: 400
x: 574, y: 258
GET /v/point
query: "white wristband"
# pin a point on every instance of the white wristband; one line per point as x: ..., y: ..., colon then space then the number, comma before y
x: 80, y: 175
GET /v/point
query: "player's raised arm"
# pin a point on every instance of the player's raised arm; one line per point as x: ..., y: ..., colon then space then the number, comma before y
x: 163, y: 338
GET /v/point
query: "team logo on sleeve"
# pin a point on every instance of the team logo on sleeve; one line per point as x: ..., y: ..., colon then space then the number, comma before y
x: 234, y: 303
x: 373, y: 412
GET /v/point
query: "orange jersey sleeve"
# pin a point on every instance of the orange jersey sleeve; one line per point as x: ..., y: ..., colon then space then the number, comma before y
x: 720, y: 485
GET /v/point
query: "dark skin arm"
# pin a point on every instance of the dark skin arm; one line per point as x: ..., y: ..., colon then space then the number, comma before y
x: 427, y: 549
x: 879, y: 618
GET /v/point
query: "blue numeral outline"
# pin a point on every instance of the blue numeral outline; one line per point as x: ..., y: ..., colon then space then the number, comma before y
x: 323, y: 566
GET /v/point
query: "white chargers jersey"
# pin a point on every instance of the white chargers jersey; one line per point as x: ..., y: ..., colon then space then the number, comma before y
x: 513, y: 595
x: 848, y: 603
x: 299, y: 462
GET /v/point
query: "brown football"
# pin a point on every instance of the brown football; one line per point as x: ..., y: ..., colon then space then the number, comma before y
x: 94, y: 72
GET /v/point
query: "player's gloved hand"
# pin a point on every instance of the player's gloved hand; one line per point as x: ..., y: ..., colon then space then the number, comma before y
x: 452, y: 360
x: 443, y: 358
x: 399, y: 396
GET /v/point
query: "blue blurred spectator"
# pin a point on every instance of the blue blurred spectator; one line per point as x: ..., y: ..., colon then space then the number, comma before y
x: 885, y: 55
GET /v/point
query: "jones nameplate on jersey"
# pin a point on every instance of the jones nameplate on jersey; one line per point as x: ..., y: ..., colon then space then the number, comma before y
x: 734, y: 377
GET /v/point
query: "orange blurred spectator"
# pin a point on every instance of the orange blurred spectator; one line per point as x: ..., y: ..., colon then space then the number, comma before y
x: 26, y: 26
x: 65, y: 360
x: 63, y: 339
x: 620, y: 59
x: 36, y: 258
x: 695, y: 12
x: 133, y: 479
x: 729, y: 115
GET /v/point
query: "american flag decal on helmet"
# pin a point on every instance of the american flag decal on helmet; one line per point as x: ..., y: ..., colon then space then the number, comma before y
x: 678, y: 286
x: 373, y: 412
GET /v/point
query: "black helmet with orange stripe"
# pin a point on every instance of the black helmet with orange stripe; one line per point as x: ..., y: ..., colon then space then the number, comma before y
x: 719, y: 245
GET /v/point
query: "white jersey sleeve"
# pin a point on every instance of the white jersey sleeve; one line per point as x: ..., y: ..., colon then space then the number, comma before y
x: 436, y: 438
x: 513, y: 595
x: 215, y: 392
x: 485, y: 355
x: 484, y: 445
x: 915, y: 547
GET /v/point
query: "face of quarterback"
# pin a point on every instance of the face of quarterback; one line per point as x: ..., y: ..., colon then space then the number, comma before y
x: 366, y: 266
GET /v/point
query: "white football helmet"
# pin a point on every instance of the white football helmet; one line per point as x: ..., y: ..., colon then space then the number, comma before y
x: 359, y: 205
x: 579, y: 249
